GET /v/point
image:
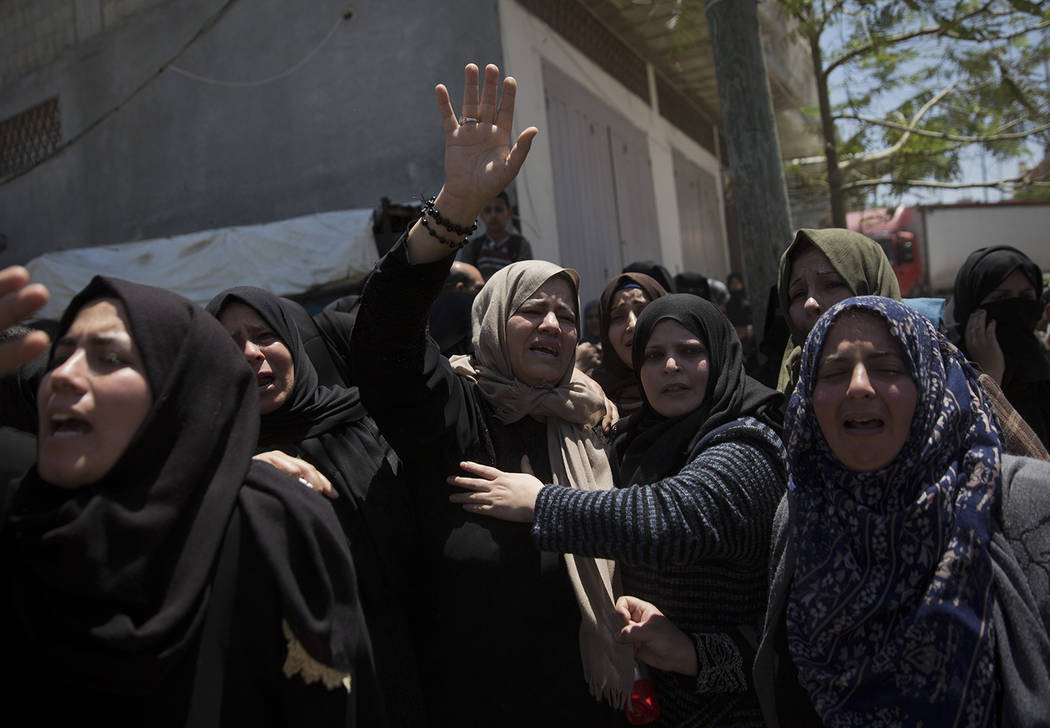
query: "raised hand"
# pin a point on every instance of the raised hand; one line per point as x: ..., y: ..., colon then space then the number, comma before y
x: 19, y: 299
x: 479, y: 159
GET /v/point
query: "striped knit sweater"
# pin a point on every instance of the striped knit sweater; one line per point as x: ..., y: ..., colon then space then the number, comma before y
x: 697, y: 546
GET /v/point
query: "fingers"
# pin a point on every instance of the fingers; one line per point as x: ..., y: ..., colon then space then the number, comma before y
x: 12, y: 278
x: 306, y: 473
x: 623, y: 608
x: 18, y: 300
x: 470, y: 90
x: 485, y: 471
x: 636, y: 609
x: 520, y: 150
x: 505, y: 115
x: 486, y: 110
x: 526, y: 466
x: 18, y: 297
x: 479, y: 485
x: 17, y: 352
x: 448, y: 116
x: 478, y: 499
x: 321, y: 484
x: 612, y: 415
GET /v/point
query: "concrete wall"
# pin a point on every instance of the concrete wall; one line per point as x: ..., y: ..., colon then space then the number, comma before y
x: 354, y: 123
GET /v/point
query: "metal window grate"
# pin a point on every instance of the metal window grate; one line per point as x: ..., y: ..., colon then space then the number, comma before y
x: 29, y: 136
x: 680, y: 111
x: 594, y: 40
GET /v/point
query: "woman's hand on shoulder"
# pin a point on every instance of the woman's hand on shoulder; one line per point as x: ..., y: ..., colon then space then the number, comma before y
x: 493, y: 492
x: 307, y: 474
x: 657, y: 641
x: 18, y: 300
x: 612, y: 412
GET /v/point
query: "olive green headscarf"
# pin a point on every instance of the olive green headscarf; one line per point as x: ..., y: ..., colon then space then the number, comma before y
x: 862, y: 264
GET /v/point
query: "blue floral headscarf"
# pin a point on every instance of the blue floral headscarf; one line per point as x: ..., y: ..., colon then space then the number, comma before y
x: 889, y: 617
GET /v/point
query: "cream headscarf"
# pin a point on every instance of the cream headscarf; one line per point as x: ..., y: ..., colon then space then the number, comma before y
x: 570, y: 409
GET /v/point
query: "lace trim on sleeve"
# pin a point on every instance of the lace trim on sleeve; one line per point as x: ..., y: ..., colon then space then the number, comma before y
x: 720, y: 668
x: 299, y: 662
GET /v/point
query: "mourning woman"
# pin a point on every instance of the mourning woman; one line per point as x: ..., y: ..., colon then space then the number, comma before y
x: 150, y: 571
x: 910, y: 554
x: 702, y: 471
x: 622, y: 301
x: 992, y: 318
x: 328, y: 428
x: 817, y: 270
x: 822, y: 267
x: 497, y: 621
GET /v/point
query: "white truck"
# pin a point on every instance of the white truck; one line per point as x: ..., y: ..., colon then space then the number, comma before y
x: 928, y: 243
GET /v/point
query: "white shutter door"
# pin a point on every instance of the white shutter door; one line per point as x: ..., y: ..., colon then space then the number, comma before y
x: 703, y: 245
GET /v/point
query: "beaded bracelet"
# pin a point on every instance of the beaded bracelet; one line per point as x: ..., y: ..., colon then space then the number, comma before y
x: 428, y: 207
x: 444, y: 241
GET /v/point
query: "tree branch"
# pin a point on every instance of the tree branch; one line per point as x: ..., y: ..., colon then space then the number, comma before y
x: 996, y: 137
x: 899, y: 38
x: 1009, y: 184
x: 890, y: 151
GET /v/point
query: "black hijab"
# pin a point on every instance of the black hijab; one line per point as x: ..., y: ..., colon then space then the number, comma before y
x: 329, y: 373
x: 1015, y: 318
x: 654, y: 270
x: 652, y: 446
x: 310, y: 409
x: 695, y: 283
x: 110, y: 582
x: 613, y: 374
x: 1026, y: 381
x: 329, y: 428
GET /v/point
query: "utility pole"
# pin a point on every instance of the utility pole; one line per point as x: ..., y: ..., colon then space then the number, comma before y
x: 755, y: 166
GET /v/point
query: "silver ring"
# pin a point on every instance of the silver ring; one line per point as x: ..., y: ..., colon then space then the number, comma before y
x: 469, y: 119
x: 306, y: 482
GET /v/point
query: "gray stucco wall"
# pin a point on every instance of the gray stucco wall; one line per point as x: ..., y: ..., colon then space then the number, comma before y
x: 355, y: 123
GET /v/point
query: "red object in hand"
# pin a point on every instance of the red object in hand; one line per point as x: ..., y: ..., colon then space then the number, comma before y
x: 642, y: 708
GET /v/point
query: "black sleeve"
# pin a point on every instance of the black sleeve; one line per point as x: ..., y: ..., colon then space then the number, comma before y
x: 425, y: 410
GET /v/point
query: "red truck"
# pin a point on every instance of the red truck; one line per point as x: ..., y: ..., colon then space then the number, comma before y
x: 926, y: 244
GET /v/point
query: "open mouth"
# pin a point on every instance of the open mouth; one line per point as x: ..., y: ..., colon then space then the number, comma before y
x: 64, y: 425
x: 863, y: 425
x: 262, y: 381
x: 546, y: 350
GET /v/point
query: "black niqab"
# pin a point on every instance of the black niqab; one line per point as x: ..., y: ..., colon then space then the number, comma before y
x: 1026, y: 381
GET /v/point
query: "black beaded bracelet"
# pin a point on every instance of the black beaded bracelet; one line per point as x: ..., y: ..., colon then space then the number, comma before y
x: 433, y: 233
x: 428, y: 208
